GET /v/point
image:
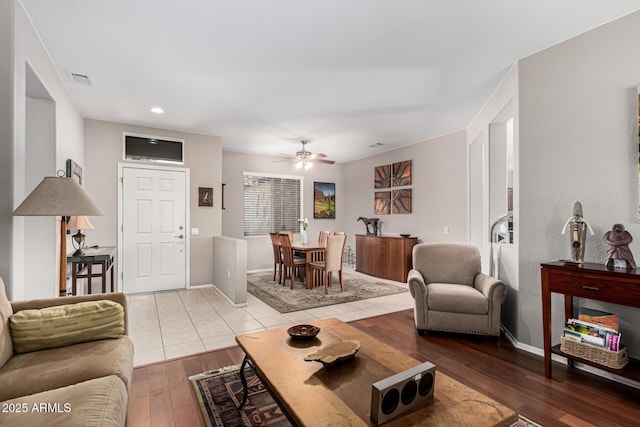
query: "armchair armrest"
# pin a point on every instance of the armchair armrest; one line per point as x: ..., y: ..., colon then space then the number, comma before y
x: 490, y: 287
x: 118, y: 297
x: 417, y: 285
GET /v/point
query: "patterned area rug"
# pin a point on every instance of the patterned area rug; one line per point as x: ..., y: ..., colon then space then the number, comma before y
x: 220, y: 391
x: 285, y: 300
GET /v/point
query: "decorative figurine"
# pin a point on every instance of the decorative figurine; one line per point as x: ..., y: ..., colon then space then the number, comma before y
x: 371, y: 224
x: 617, y: 241
x: 578, y: 235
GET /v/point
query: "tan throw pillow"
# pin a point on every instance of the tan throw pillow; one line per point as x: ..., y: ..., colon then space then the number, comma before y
x: 66, y: 324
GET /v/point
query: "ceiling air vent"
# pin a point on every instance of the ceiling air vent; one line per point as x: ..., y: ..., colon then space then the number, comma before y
x: 81, y: 79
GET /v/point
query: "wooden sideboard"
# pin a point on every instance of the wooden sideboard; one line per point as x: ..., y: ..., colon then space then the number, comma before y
x: 388, y: 257
x: 591, y: 281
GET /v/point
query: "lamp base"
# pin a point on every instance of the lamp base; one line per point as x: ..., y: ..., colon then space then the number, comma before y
x: 79, y: 252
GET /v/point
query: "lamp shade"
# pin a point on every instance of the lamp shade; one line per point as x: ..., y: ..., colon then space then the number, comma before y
x: 58, y: 196
x: 79, y: 222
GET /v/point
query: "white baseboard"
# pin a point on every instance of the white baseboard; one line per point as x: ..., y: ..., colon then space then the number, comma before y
x: 557, y: 358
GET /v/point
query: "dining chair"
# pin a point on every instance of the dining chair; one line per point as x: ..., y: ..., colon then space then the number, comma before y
x: 332, y: 261
x: 322, y: 237
x: 338, y: 233
x: 277, y: 256
x: 291, y: 264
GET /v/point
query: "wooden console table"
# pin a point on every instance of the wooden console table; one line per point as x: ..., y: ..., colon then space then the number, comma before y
x: 388, y: 257
x: 591, y: 281
x: 82, y: 266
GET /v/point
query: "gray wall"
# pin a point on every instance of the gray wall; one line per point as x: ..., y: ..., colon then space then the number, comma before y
x: 259, y: 254
x: 20, y: 47
x: 439, y: 194
x: 203, y: 157
x: 439, y: 183
x: 578, y: 141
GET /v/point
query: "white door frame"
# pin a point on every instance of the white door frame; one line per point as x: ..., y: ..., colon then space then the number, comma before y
x: 187, y: 210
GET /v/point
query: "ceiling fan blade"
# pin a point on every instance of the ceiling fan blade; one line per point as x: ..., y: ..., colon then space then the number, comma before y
x: 315, y: 156
x: 329, y: 162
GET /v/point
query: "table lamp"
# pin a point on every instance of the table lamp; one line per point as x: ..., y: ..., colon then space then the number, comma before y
x: 59, y: 196
x: 80, y: 222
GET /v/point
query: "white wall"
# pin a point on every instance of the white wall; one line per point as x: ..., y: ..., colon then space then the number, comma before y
x: 578, y: 141
x: 19, y: 46
x: 259, y: 253
x: 439, y: 183
x: 203, y: 157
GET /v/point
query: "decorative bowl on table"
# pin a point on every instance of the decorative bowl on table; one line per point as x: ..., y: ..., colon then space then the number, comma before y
x: 303, y: 332
x: 335, y: 353
x: 405, y: 235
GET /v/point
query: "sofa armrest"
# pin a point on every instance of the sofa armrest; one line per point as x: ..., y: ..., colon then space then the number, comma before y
x: 118, y: 297
x: 492, y: 288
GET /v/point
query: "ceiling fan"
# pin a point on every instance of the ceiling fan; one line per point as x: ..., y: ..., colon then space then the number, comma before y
x: 305, y: 158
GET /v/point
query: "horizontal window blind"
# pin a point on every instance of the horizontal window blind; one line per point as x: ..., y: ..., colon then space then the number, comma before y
x: 271, y: 204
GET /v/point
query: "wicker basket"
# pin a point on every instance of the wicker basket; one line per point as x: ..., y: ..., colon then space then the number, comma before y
x: 601, y: 356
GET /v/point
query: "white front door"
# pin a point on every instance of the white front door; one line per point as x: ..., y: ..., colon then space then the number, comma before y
x: 154, y: 235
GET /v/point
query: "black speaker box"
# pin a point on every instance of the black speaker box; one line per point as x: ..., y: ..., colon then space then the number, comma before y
x: 402, y: 392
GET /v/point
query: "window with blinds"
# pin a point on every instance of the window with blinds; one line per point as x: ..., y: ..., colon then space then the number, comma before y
x: 271, y: 203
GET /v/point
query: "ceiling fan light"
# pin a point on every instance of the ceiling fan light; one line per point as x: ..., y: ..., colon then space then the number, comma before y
x: 307, y: 165
x: 299, y: 164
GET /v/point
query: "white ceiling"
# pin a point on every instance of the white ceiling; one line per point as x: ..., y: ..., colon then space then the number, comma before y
x: 263, y: 75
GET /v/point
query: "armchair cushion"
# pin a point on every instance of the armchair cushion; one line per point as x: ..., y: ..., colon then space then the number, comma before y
x: 51, y: 327
x: 456, y: 299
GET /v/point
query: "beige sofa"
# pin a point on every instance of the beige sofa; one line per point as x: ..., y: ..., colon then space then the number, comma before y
x: 81, y: 384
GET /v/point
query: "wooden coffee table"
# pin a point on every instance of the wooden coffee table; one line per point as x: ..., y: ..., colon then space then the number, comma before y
x: 340, y: 395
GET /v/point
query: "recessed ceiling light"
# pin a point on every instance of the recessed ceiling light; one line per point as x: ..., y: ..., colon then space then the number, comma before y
x: 157, y: 110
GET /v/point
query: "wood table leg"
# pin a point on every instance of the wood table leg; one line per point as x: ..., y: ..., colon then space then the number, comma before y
x: 307, y: 267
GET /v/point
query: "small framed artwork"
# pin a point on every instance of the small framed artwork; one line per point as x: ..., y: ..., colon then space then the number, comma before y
x: 74, y: 171
x: 382, y: 203
x: 382, y: 176
x: 401, y: 201
x: 324, y: 200
x: 205, y: 196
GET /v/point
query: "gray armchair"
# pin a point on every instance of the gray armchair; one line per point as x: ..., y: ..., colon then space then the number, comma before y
x: 450, y: 292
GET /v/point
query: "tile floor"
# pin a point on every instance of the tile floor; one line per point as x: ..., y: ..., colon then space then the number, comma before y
x: 165, y: 325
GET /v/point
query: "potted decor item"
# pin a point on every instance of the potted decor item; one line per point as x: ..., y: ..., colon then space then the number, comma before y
x: 304, y: 222
x: 577, y: 233
x: 618, y: 253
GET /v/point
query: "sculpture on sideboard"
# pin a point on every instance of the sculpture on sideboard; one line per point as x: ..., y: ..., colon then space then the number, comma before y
x: 371, y: 224
x: 617, y: 241
x: 578, y: 233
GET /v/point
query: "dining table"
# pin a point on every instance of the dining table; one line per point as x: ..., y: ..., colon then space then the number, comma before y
x: 313, y: 251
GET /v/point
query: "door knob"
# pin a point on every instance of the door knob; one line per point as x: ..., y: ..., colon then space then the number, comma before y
x: 181, y: 236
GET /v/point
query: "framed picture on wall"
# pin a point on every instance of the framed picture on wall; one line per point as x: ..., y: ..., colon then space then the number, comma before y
x: 205, y: 196
x: 324, y: 200
x: 74, y: 171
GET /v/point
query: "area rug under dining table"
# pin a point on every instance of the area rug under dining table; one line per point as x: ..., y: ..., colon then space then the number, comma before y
x: 285, y: 300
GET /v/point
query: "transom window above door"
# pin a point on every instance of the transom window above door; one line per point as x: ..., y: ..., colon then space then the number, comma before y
x: 148, y: 148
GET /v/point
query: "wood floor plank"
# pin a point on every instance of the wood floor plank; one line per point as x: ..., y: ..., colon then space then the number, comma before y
x: 494, y: 367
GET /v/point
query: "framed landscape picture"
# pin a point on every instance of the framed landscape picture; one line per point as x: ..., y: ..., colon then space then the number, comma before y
x: 324, y: 200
